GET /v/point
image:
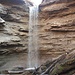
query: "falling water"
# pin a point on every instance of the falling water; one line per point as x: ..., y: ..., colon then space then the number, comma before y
x: 33, y: 37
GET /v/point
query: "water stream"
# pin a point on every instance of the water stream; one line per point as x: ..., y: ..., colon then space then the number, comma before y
x: 33, y: 37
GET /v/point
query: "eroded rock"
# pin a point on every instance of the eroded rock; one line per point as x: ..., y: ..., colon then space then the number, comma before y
x: 2, y: 10
x: 1, y: 21
x: 58, y: 23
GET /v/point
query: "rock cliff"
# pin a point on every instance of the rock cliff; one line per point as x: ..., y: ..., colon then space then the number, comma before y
x: 56, y: 28
x: 18, y: 2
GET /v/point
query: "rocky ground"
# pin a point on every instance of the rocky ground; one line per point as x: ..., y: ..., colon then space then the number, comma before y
x: 56, y: 29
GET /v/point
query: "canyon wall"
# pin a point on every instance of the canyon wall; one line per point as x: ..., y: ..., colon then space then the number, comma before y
x: 56, y: 28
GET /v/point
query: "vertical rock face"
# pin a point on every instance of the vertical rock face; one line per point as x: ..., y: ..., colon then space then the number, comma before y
x: 14, y: 30
x: 57, y: 27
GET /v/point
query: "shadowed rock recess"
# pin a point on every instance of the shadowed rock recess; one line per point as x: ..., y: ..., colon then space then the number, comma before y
x: 56, y: 30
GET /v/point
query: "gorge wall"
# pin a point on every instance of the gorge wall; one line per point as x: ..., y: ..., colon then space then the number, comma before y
x: 14, y: 32
x: 57, y: 31
x: 56, y: 28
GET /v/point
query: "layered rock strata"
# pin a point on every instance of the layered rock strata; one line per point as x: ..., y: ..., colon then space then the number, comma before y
x: 56, y: 28
x: 14, y: 30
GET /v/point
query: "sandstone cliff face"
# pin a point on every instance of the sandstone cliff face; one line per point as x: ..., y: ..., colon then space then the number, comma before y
x: 57, y: 31
x: 56, y: 28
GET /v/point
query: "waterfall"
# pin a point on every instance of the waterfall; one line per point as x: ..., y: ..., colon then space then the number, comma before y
x: 33, y: 37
